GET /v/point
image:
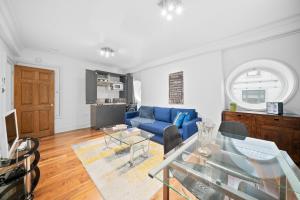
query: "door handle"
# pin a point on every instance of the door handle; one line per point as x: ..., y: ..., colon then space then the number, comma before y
x: 51, y: 105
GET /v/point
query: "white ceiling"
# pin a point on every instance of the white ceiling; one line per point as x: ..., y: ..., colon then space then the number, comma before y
x: 135, y: 28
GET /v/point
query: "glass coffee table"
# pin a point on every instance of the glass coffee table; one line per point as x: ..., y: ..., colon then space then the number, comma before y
x: 135, y: 138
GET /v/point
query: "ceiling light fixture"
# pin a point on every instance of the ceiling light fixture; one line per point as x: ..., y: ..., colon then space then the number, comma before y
x: 170, y: 7
x: 106, y: 52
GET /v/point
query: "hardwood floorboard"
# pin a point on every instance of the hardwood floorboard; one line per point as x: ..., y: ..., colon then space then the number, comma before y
x: 62, y: 175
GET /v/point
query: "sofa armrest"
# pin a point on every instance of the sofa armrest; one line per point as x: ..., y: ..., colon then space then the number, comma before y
x: 129, y: 115
x: 189, y: 128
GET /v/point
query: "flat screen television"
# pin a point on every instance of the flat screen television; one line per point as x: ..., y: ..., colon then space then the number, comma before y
x: 12, y: 134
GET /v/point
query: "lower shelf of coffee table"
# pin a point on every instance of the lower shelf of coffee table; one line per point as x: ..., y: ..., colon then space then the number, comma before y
x: 16, y: 189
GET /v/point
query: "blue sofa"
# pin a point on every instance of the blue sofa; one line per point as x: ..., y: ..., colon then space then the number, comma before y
x: 164, y: 117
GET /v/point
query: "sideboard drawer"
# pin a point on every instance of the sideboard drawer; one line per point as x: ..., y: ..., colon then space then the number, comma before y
x: 291, y: 122
x: 269, y: 120
x: 279, y: 121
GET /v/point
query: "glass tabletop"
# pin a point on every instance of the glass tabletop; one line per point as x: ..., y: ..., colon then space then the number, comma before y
x: 129, y: 136
x: 212, y: 168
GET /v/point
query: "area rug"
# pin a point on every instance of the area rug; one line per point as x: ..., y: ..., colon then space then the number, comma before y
x: 113, y: 176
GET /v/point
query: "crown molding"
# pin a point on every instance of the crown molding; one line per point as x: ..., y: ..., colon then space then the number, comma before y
x: 278, y: 29
x: 8, y: 29
x: 53, y: 59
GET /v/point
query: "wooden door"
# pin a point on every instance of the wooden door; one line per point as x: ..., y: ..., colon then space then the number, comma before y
x: 34, y: 101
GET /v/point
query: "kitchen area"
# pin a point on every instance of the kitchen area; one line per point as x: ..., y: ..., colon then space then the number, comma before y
x: 110, y: 95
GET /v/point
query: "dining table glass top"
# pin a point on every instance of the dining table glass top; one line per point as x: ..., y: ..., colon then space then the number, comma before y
x: 240, y: 168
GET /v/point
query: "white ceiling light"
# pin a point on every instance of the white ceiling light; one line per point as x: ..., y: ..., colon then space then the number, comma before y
x: 169, y: 8
x: 169, y: 17
x: 178, y: 10
x: 106, y: 52
x: 164, y: 12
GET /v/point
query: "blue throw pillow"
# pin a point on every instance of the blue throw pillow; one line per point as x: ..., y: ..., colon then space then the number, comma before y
x: 146, y: 112
x: 187, y: 117
x: 179, y: 119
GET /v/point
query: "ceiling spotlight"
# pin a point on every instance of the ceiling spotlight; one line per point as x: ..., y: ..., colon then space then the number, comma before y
x: 106, y: 52
x: 169, y: 8
x: 178, y: 10
x: 163, y: 12
x: 169, y: 17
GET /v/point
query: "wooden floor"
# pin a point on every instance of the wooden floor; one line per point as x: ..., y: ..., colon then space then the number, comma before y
x: 62, y: 174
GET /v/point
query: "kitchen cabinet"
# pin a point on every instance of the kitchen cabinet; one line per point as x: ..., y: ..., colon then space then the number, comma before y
x: 90, y: 86
x: 108, y: 85
x: 105, y: 115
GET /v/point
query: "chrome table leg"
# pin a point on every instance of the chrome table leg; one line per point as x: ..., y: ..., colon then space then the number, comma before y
x: 131, y: 155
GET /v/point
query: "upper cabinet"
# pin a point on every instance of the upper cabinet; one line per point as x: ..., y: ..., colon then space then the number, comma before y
x: 109, y: 86
x: 90, y: 86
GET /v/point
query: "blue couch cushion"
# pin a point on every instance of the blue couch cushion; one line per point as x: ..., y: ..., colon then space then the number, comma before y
x: 158, y: 138
x: 180, y: 130
x: 127, y: 122
x: 163, y: 114
x: 146, y: 112
x: 174, y: 112
x: 157, y: 127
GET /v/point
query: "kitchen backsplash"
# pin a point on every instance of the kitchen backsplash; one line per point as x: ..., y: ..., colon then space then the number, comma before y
x: 104, y: 93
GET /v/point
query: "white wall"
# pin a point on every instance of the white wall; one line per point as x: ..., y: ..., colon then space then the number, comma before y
x: 285, y: 49
x: 71, y: 110
x: 4, y: 54
x: 204, y: 75
x: 203, y: 84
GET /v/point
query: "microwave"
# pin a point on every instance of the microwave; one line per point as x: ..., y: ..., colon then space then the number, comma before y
x: 118, y: 86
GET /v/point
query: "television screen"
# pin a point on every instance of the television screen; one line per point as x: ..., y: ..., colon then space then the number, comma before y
x: 11, y: 128
x: 9, y: 135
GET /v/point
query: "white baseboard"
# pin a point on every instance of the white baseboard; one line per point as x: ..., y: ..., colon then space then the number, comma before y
x: 62, y: 129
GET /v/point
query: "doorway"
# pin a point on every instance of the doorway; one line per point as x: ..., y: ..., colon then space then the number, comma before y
x: 34, y: 101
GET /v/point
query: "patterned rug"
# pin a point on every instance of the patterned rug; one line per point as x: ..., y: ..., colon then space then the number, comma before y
x: 112, y: 174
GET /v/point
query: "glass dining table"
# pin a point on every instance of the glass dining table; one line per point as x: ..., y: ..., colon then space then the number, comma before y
x: 226, y: 167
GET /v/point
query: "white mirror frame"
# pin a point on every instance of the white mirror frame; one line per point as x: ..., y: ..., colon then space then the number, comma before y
x: 286, y: 74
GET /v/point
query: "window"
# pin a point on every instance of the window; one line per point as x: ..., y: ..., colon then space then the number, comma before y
x: 254, y: 96
x: 254, y: 83
x: 137, y: 89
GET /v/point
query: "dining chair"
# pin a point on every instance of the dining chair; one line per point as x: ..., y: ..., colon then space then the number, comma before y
x: 172, y: 138
x: 236, y: 130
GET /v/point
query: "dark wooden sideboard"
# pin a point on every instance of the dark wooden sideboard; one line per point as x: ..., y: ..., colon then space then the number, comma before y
x: 284, y: 130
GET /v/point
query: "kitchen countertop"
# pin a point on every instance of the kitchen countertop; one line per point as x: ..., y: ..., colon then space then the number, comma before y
x: 107, y: 104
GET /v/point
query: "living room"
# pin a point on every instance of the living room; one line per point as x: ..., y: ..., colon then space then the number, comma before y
x: 174, y: 74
